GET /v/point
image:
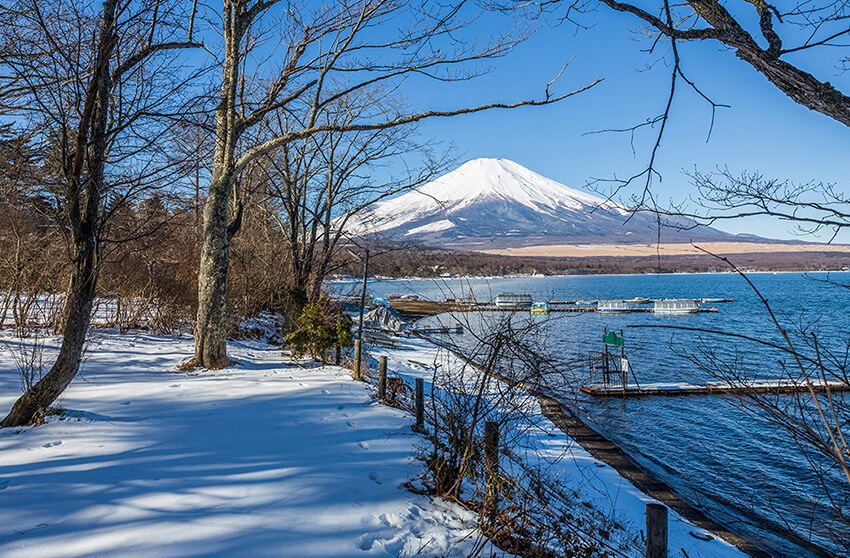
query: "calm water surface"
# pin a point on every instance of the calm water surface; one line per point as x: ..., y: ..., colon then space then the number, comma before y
x: 740, y: 472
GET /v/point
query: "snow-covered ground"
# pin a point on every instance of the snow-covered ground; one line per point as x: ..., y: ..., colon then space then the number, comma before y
x: 266, y: 458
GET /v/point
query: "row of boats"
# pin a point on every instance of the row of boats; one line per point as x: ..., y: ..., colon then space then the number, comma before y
x: 662, y: 306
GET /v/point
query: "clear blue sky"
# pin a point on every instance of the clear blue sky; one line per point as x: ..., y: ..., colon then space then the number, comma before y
x: 762, y: 131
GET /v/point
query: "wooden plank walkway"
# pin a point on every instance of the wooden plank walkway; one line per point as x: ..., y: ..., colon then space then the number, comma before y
x: 562, y: 415
x: 717, y: 388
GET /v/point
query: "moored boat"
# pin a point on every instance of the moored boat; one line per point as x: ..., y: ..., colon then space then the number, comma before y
x: 617, y: 306
x: 540, y: 308
x: 676, y: 306
x: 512, y: 300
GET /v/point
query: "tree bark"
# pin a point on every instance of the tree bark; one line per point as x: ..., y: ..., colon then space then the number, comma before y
x: 211, y: 327
x: 802, y: 87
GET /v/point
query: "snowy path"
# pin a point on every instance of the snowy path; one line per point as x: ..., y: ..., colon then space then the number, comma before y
x: 266, y: 459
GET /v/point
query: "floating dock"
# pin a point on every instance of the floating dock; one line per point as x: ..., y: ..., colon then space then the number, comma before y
x: 713, y: 388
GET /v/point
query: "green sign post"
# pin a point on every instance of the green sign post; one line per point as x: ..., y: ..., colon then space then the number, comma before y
x: 611, y: 338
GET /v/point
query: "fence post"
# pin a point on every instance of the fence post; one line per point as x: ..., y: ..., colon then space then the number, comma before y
x: 382, y: 378
x: 491, y: 472
x: 356, y: 374
x: 656, y: 531
x: 420, y: 406
x: 338, y: 356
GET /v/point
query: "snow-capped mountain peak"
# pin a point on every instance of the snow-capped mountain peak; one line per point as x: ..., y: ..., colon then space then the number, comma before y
x: 486, y: 201
x: 503, y: 179
x: 474, y: 182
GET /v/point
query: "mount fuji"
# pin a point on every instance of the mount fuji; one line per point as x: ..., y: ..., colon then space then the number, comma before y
x: 496, y: 203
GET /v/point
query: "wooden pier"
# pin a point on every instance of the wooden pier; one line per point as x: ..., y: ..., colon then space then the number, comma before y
x: 713, y: 388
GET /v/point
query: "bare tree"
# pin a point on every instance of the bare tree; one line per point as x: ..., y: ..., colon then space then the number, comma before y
x: 328, y: 53
x: 86, y: 80
x: 315, y: 186
x: 762, y: 35
x: 783, y: 43
x: 30, y: 263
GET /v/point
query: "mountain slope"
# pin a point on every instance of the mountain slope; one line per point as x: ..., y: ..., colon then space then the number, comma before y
x: 496, y: 203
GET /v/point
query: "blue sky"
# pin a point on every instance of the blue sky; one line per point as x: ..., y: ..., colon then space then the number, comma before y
x: 762, y: 131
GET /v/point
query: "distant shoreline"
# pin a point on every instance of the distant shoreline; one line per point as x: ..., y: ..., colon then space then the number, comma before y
x: 359, y: 280
x: 610, y: 259
x: 623, y: 250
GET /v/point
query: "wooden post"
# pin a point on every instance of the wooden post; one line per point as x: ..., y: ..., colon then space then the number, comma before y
x: 382, y: 378
x: 338, y: 356
x: 656, y: 531
x: 491, y: 472
x: 420, y: 406
x: 605, y: 373
x: 356, y: 374
x: 622, y: 368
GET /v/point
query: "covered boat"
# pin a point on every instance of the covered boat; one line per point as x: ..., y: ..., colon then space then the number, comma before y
x: 613, y: 306
x: 511, y: 300
x: 676, y: 306
x: 384, y: 318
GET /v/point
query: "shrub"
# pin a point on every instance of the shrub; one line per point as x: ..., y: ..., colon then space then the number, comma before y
x: 317, y: 329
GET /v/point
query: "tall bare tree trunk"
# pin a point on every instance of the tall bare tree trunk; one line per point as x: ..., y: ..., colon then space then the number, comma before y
x: 83, y: 211
x: 211, y: 324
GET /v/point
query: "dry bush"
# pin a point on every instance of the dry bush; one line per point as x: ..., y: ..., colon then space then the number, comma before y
x: 28, y: 358
x: 257, y: 267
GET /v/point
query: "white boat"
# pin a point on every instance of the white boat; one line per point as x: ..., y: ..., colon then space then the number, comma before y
x: 639, y: 300
x: 511, y: 300
x: 613, y: 306
x: 676, y: 306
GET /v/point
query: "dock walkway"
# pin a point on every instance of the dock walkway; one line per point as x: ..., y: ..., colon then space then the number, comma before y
x: 713, y: 388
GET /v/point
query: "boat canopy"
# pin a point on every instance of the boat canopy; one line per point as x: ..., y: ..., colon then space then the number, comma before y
x: 617, y: 305
x: 676, y: 305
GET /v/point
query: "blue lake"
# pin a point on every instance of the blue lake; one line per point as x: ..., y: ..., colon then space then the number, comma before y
x: 741, y: 472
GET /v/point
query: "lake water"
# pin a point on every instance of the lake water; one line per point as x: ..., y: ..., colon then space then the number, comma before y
x: 740, y: 472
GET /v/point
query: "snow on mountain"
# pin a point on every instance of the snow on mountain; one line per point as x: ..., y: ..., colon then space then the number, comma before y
x: 477, y: 181
x: 496, y: 202
x: 437, y: 226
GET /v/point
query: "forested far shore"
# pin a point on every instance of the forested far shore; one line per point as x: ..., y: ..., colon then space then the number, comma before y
x: 433, y: 262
